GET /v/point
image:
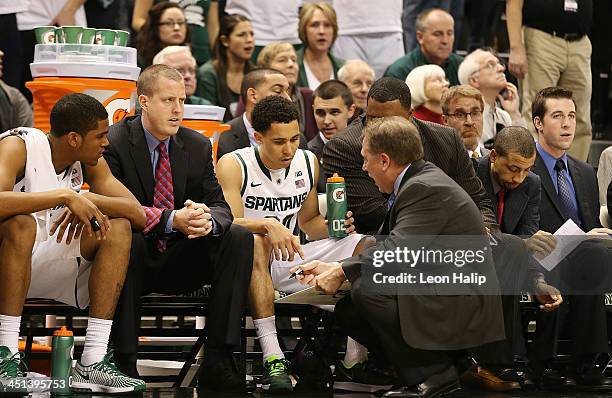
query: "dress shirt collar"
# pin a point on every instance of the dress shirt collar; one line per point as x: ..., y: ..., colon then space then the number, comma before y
x: 398, y: 180
x: 153, y: 142
x: 550, y: 160
x: 478, y: 149
x: 323, y: 138
x: 250, y: 131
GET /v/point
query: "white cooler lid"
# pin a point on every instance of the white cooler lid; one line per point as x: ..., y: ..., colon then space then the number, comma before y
x: 85, y: 69
x: 204, y: 112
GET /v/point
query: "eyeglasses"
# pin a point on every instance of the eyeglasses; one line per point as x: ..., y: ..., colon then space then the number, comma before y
x: 171, y: 24
x: 461, y: 115
x: 493, y: 64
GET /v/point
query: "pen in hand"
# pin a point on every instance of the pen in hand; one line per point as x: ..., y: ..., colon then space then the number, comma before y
x: 296, y: 273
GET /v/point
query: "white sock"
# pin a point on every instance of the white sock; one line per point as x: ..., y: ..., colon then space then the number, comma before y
x: 355, y: 353
x: 96, y: 340
x: 9, y: 332
x: 266, y: 333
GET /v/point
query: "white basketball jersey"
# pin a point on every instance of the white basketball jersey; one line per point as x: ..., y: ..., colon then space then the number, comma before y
x: 275, y: 193
x: 40, y: 174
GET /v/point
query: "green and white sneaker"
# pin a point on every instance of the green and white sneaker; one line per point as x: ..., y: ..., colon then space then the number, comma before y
x: 104, y: 377
x: 10, y: 370
x: 276, y: 376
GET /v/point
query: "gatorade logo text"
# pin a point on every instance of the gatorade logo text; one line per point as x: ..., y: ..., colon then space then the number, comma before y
x: 338, y: 194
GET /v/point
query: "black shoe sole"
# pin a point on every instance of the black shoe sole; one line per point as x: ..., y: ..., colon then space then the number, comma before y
x: 359, y: 387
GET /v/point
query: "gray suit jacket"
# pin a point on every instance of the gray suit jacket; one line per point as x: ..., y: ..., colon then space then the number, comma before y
x: 238, y: 137
x: 521, y: 205
x: 430, y: 205
x: 442, y: 146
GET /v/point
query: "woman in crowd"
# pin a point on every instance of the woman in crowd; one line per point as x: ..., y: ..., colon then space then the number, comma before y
x: 166, y: 26
x: 220, y: 79
x: 318, y: 29
x: 202, y: 22
x: 427, y: 83
x: 282, y: 57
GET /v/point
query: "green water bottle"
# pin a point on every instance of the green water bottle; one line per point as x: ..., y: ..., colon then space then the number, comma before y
x: 336, y: 206
x: 61, y: 361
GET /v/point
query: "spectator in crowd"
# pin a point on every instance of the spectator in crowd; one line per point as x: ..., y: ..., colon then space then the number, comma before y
x: 273, y: 170
x: 202, y: 18
x: 372, y: 33
x: 14, y: 108
x: 10, y: 41
x: 180, y: 58
x: 443, y: 147
x: 43, y: 13
x: 462, y: 107
x: 549, y: 46
x: 427, y: 84
x: 166, y: 26
x: 570, y: 192
x: 604, y: 174
x: 220, y: 79
x: 281, y: 56
x: 395, y: 322
x: 482, y: 70
x: 318, y: 29
x: 435, y: 34
x: 273, y: 21
x: 358, y: 76
x: 188, y: 238
x: 333, y: 108
x: 257, y: 85
x: 85, y: 266
x: 412, y: 8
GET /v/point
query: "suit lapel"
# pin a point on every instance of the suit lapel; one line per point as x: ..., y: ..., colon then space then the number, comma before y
x: 178, y: 161
x: 576, y: 175
x: 139, y: 151
x: 514, y: 206
x: 547, y: 184
x: 414, y: 168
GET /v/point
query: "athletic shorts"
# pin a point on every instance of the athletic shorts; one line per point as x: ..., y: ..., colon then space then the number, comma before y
x: 327, y: 250
x: 60, y: 273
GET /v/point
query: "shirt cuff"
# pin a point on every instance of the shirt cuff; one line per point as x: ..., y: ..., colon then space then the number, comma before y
x: 169, y: 223
x: 215, y: 227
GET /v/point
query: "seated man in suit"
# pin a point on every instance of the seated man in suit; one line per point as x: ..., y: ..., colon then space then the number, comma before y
x: 189, y: 238
x: 416, y: 328
x: 442, y: 146
x: 256, y: 85
x: 257, y: 181
x: 57, y: 243
x: 570, y: 192
x: 333, y: 107
x: 515, y: 193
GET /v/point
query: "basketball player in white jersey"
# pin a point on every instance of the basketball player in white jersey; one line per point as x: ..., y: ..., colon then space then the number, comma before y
x: 59, y: 244
x: 271, y: 188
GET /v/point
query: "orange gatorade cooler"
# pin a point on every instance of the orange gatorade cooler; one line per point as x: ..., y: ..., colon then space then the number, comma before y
x: 107, y: 73
x: 206, y: 119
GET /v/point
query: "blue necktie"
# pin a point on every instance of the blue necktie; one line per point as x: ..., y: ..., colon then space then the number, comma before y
x: 390, y: 200
x: 565, y: 195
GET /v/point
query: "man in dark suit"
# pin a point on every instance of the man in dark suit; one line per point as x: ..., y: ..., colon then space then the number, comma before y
x: 570, y: 192
x: 189, y: 238
x: 515, y: 193
x: 398, y: 318
x: 256, y: 85
x: 442, y: 146
x: 333, y: 107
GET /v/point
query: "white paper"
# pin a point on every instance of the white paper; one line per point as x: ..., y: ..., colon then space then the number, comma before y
x: 314, y: 297
x: 568, y: 237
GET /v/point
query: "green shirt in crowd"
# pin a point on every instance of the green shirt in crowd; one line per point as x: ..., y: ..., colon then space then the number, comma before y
x: 400, y: 68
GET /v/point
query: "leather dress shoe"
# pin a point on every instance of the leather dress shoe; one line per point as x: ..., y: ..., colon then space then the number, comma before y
x: 434, y: 386
x: 552, y: 379
x: 522, y: 375
x: 482, y: 378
